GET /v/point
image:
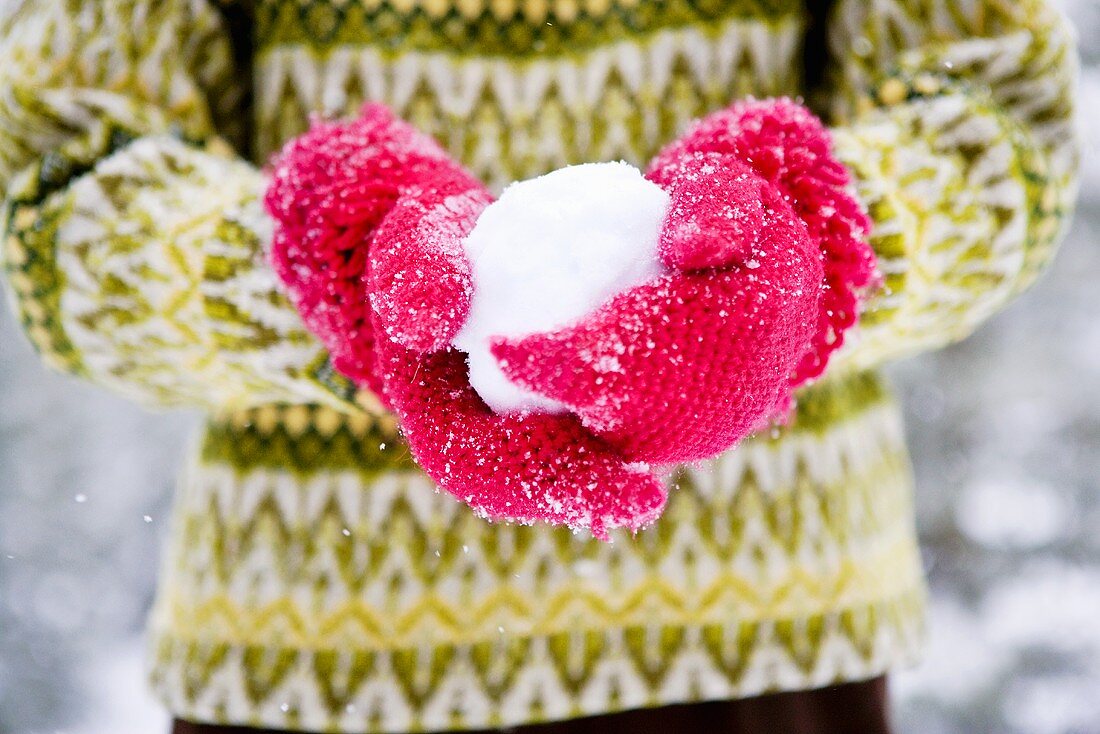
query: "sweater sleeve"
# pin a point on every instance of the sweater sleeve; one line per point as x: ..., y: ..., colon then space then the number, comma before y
x: 957, y: 121
x: 133, y: 236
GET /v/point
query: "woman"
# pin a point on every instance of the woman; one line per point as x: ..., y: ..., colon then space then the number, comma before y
x: 314, y: 581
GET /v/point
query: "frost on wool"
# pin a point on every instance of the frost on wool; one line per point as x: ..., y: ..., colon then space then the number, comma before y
x: 548, y: 252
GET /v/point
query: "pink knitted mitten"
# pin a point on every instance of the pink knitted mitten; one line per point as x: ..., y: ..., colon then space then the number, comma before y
x: 761, y: 259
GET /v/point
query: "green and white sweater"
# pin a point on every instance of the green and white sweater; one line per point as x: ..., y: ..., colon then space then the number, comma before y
x: 314, y: 579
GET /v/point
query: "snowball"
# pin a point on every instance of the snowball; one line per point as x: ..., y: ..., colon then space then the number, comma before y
x: 549, y: 251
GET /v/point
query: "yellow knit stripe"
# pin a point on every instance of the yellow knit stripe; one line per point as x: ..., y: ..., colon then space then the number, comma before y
x: 802, y: 593
x: 512, y: 678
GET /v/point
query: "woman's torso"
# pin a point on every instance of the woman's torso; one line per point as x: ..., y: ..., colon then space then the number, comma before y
x: 315, y: 580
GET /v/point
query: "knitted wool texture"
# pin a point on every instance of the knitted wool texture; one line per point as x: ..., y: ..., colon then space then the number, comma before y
x: 332, y: 189
x: 766, y: 256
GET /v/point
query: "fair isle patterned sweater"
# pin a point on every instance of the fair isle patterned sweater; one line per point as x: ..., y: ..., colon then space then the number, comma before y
x: 314, y: 579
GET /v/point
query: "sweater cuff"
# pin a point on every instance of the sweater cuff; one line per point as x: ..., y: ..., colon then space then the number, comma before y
x: 28, y: 227
x: 953, y: 186
x: 140, y: 262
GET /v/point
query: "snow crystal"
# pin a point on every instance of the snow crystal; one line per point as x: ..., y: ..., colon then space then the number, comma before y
x: 547, y: 253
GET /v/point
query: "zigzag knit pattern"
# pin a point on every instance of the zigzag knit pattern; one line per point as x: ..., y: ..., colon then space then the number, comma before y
x: 787, y: 563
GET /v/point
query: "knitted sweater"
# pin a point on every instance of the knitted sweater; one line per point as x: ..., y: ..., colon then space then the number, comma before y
x: 314, y: 580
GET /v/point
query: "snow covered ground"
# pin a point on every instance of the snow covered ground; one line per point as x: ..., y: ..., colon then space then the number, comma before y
x: 1005, y: 430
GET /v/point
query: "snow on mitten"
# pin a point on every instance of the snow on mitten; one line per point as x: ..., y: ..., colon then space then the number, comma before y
x: 766, y: 259
x: 546, y: 353
x: 789, y: 147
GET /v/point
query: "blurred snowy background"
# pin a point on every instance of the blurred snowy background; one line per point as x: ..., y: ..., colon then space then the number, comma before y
x: 1005, y: 431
